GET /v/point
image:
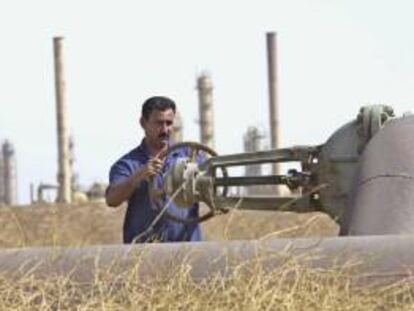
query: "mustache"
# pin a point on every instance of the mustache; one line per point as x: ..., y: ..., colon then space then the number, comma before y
x: 164, y: 135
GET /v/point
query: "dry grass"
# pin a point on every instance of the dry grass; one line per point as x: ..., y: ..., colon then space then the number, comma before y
x: 91, y: 224
x: 290, y: 287
x: 63, y: 225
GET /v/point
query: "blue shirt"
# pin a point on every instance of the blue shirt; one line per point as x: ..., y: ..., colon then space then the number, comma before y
x: 142, y: 210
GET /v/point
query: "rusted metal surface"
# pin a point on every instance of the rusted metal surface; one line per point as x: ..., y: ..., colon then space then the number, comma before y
x: 384, y: 190
x: 376, y: 259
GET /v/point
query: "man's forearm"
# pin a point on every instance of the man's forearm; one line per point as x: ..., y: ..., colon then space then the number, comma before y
x: 116, y: 194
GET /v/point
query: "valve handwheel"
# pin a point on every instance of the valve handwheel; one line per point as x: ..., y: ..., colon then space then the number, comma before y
x: 194, y: 151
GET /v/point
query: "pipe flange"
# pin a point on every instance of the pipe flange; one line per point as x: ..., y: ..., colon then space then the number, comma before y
x: 370, y: 120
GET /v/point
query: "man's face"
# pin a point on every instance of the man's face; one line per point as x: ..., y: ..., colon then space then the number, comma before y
x: 158, y: 127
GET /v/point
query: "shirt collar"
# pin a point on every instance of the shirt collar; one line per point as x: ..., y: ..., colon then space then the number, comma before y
x: 143, y: 148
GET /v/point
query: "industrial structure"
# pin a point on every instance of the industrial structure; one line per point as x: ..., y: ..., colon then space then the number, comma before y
x: 206, y: 115
x: 8, y: 175
x: 177, y: 134
x: 362, y: 176
x: 252, y: 143
x: 1, y: 180
x: 271, y: 44
x: 67, y: 189
x: 64, y: 175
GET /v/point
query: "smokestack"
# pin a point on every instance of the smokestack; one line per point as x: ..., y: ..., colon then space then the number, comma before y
x: 273, y: 95
x: 32, y: 193
x: 205, y: 97
x: 178, y: 128
x: 252, y: 144
x: 1, y: 179
x: 64, y: 173
x: 9, y: 174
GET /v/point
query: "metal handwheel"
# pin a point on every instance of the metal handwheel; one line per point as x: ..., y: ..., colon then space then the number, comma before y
x: 195, y: 149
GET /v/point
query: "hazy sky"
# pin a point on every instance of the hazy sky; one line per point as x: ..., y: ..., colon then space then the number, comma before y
x: 334, y: 56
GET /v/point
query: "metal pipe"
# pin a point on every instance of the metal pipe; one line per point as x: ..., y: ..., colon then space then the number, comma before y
x: 383, y: 195
x: 295, y: 154
x: 273, y: 94
x: 64, y: 172
x: 266, y: 203
x: 374, y: 259
x: 250, y: 180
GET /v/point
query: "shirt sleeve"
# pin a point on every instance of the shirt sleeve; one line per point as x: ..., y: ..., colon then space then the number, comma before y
x: 119, y: 172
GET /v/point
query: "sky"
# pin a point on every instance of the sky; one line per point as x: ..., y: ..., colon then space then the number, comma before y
x: 333, y: 56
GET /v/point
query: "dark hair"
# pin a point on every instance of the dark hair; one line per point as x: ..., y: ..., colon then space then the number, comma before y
x: 156, y: 103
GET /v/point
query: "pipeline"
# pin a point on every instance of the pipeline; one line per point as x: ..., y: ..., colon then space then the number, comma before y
x: 384, y: 192
x: 376, y: 259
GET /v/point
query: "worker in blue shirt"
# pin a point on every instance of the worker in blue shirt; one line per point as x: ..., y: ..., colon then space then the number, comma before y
x: 131, y: 177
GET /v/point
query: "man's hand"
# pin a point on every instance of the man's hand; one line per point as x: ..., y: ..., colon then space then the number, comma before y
x: 116, y: 194
x: 153, y: 167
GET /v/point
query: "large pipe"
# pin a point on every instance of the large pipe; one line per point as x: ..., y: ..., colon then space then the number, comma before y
x: 64, y: 172
x: 273, y: 94
x: 384, y: 192
x: 9, y: 174
x: 374, y: 259
x: 205, y: 98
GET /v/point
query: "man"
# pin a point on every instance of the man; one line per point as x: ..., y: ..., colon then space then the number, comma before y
x: 134, y: 173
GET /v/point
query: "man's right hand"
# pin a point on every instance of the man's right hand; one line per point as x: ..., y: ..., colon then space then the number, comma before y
x: 153, y: 167
x: 116, y: 194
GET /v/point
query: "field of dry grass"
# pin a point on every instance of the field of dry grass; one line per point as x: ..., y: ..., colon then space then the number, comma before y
x: 91, y: 224
x: 290, y: 287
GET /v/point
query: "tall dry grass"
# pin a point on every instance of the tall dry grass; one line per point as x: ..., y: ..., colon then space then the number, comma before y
x: 91, y: 224
x: 289, y: 287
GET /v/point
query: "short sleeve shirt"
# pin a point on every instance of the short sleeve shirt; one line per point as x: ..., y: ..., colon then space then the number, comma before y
x: 141, y: 210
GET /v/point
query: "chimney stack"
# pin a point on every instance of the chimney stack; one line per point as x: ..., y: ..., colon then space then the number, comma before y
x: 273, y: 95
x: 9, y: 174
x: 205, y: 97
x: 64, y: 171
x: 178, y: 128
